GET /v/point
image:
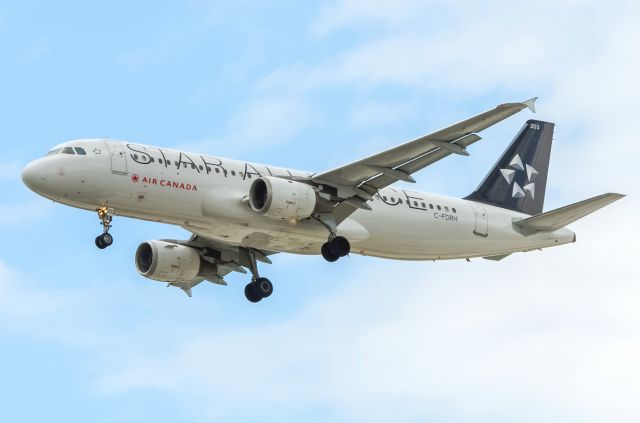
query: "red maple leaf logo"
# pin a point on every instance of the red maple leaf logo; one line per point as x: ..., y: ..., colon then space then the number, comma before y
x: 135, y: 178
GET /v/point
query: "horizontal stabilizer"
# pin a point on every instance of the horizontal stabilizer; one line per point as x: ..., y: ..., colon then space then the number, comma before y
x: 559, y: 218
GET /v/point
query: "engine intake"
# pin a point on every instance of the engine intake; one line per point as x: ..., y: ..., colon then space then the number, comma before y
x: 169, y: 262
x: 282, y: 198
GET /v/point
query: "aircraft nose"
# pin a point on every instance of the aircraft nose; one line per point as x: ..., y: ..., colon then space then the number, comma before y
x: 33, y: 176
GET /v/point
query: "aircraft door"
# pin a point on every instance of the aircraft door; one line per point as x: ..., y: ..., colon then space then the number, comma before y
x: 118, y: 157
x: 482, y: 222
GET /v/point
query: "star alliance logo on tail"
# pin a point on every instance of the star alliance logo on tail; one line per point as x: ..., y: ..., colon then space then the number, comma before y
x: 509, y: 175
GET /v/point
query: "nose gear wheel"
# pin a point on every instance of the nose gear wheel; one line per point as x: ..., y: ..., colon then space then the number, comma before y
x: 105, y: 239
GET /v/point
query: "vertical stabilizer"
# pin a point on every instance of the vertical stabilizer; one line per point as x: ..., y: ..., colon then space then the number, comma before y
x: 519, y: 179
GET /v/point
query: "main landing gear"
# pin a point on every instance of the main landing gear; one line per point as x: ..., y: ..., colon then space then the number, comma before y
x: 335, y: 247
x: 105, y: 239
x: 259, y: 287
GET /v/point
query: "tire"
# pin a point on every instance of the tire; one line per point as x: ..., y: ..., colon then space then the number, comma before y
x: 328, y: 253
x: 99, y: 242
x: 107, y: 239
x: 340, y: 246
x: 250, y: 293
x: 263, y: 287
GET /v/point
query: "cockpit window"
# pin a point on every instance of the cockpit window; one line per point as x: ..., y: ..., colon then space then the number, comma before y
x: 54, y: 151
x: 68, y: 150
x: 80, y: 151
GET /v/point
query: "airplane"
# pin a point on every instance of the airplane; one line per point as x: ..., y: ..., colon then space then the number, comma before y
x: 242, y: 213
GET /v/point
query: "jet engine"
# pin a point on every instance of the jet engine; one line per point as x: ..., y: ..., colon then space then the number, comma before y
x: 282, y: 198
x: 169, y: 262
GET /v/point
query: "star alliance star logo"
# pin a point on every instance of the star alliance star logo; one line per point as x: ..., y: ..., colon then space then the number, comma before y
x: 509, y: 175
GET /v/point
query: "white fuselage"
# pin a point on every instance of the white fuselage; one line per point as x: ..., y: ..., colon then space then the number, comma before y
x: 208, y: 196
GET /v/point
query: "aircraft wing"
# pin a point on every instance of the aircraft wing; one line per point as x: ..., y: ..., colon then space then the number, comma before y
x: 357, y: 182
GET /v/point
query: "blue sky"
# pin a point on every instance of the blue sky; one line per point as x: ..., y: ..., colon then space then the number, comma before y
x: 543, y: 336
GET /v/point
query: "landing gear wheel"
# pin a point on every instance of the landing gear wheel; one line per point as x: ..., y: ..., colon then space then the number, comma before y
x: 327, y: 253
x: 251, y: 294
x: 263, y: 287
x: 104, y: 240
x: 340, y: 246
x: 107, y: 239
x: 259, y: 287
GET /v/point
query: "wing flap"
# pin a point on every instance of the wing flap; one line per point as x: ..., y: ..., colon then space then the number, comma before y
x: 559, y: 218
x: 423, y: 161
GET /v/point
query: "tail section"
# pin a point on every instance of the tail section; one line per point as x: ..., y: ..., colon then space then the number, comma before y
x: 519, y: 178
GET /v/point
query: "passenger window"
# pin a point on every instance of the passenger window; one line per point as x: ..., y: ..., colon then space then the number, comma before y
x: 68, y: 150
x: 439, y: 208
x: 200, y: 167
x: 151, y: 160
x: 384, y: 198
x: 453, y: 209
x: 399, y: 200
x: 431, y: 206
x: 217, y: 169
x: 233, y: 173
x: 240, y: 174
x: 424, y: 206
x: 249, y: 175
x: 193, y: 166
x: 446, y: 208
x: 81, y: 151
x: 160, y: 161
x: 415, y: 203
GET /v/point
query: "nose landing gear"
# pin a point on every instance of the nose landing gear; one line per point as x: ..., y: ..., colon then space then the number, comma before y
x: 105, y: 239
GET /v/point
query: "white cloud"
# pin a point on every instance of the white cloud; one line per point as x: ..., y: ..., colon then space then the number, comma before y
x: 538, y: 337
x: 67, y: 316
x: 357, y: 12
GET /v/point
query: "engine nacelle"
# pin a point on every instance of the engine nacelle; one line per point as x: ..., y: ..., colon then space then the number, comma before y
x: 169, y: 262
x: 282, y: 198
